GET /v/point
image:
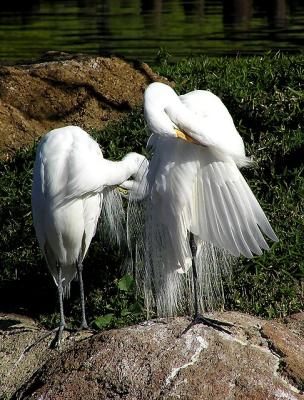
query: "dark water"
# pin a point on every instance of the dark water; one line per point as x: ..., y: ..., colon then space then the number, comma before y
x: 138, y: 28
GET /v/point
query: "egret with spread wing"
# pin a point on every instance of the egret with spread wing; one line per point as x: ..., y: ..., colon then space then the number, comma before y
x: 199, y: 209
x: 70, y: 178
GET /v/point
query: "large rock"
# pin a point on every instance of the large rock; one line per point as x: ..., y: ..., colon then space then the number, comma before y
x: 259, y: 360
x: 17, y: 365
x: 80, y: 90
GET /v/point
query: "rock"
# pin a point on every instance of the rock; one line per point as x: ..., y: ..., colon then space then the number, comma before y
x: 259, y: 360
x: 80, y: 90
x: 289, y: 347
x: 17, y: 332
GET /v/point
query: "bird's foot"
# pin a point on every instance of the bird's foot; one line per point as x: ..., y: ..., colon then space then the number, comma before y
x: 84, y: 326
x: 56, y: 342
x: 29, y: 347
x: 213, y: 323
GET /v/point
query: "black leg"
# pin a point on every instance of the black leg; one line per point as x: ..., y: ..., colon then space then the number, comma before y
x: 59, y: 331
x: 84, y: 324
x: 198, y: 318
x: 194, y: 273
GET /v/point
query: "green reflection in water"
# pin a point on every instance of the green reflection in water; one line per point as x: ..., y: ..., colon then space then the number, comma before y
x: 137, y: 29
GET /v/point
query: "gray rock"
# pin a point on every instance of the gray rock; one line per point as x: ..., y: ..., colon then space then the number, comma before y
x: 259, y: 360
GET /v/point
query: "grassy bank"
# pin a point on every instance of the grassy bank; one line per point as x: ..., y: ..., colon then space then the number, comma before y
x: 265, y: 98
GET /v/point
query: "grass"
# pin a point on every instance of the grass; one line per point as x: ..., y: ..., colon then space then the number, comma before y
x: 265, y: 98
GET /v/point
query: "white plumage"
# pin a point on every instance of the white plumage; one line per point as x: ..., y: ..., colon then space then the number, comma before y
x: 194, y: 187
x: 70, y: 175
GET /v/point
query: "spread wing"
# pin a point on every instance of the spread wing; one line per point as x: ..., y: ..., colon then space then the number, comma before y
x: 225, y: 212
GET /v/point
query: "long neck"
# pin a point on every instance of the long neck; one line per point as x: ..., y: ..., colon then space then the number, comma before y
x: 116, y: 172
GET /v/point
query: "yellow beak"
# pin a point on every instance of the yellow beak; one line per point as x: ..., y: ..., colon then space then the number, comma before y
x: 122, y: 191
x: 186, y: 137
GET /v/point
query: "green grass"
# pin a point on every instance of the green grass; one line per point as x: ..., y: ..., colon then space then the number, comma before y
x: 265, y: 98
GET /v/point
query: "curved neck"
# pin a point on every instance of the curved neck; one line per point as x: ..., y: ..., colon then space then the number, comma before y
x: 116, y: 172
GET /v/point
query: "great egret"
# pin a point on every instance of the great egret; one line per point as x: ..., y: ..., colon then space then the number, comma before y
x: 199, y: 210
x: 70, y: 175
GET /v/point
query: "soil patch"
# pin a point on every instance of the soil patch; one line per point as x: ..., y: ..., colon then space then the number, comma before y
x: 66, y: 90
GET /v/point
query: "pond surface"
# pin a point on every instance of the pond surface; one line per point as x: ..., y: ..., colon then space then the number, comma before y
x: 137, y: 29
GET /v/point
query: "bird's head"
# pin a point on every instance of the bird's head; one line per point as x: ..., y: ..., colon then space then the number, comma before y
x: 137, y: 165
x: 135, y: 161
x: 161, y: 108
x: 134, y: 188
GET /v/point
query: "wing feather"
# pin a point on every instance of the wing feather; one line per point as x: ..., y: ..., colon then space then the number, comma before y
x: 259, y: 214
x: 233, y: 215
x: 245, y: 219
x: 227, y: 240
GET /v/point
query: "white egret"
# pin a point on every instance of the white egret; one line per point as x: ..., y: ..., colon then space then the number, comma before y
x: 199, y: 209
x: 70, y: 175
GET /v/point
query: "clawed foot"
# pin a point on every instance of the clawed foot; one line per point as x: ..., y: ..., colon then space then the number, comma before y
x: 56, y: 342
x: 213, y: 323
x: 84, y: 326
